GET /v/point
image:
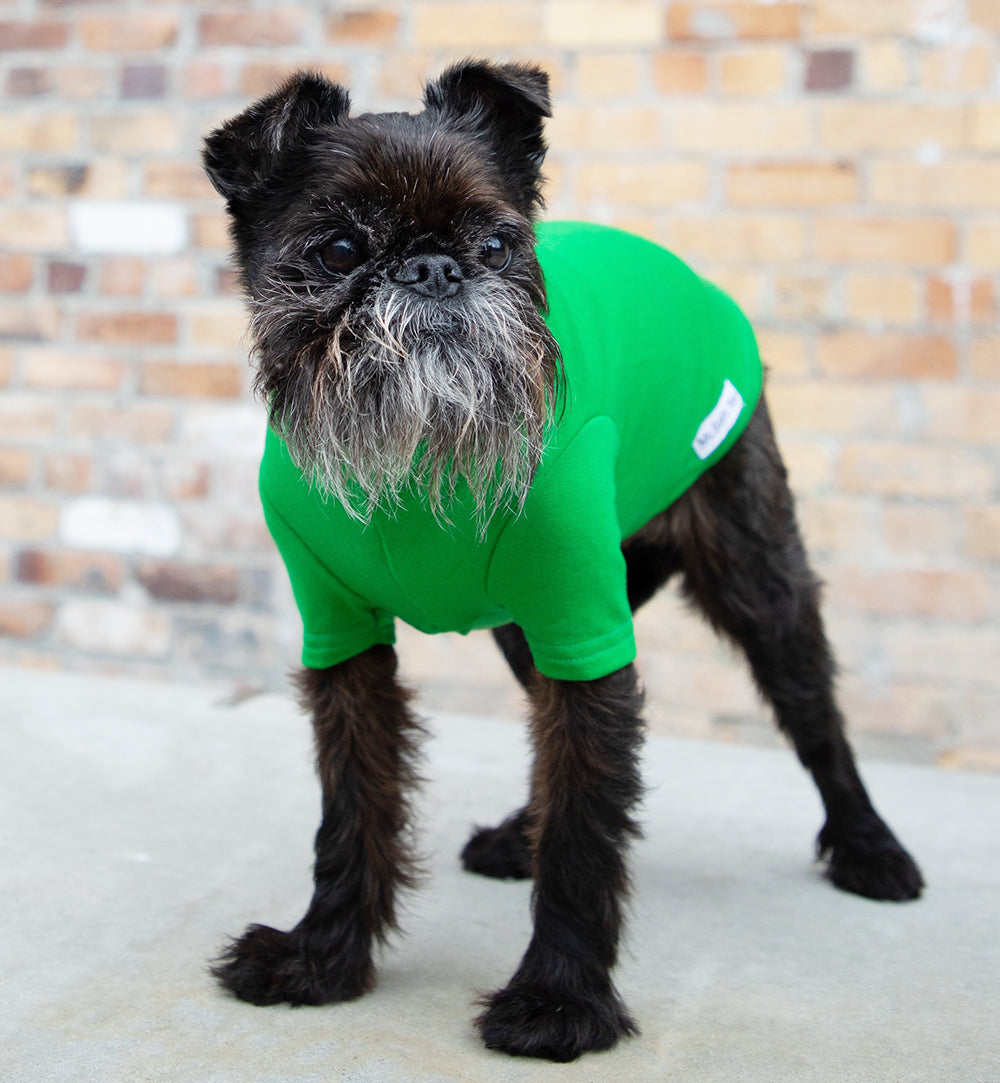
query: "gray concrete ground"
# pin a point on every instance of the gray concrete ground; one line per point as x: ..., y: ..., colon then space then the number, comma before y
x: 141, y: 823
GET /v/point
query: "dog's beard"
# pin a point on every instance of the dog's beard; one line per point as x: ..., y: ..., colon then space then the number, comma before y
x: 408, y: 394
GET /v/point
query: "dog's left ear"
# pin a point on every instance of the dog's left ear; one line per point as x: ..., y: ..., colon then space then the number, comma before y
x: 504, y: 104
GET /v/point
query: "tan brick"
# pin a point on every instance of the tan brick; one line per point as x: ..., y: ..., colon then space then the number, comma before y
x: 172, y: 582
x: 725, y: 127
x: 607, y: 75
x: 680, y: 73
x: 642, y: 184
x: 136, y: 423
x: 34, y: 229
x: 902, y: 470
x: 811, y: 463
x: 24, y: 518
x: 99, y: 573
x: 985, y: 126
x: 263, y: 76
x: 203, y: 79
x: 16, y: 273
x: 30, y: 131
x: 960, y: 184
x: 102, y: 178
x: 211, y: 231
x: 962, y: 414
x: 941, y: 594
x: 6, y: 365
x: 837, y: 525
x: 985, y: 353
x: 917, y: 530
x: 149, y: 132
x: 800, y: 296
x: 113, y: 628
x: 754, y: 72
x: 982, y: 533
x: 39, y: 34
x: 279, y: 26
x: 713, y: 21
x: 853, y: 354
x: 732, y: 238
x: 24, y: 619
x: 799, y: 184
x: 362, y: 27
x: 853, y: 126
x: 127, y: 33
x: 69, y: 473
x: 34, y: 321
x: 176, y: 180
x: 27, y: 417
x: 920, y: 241
x: 60, y: 370
x: 184, y: 480
x: 220, y: 328
x: 838, y: 409
x: 128, y: 328
x: 16, y: 467
x: 942, y: 655
x: 863, y: 18
x: 883, y: 66
x: 122, y: 276
x: 985, y: 13
x: 785, y: 353
x: 892, y: 298
x: 83, y: 82
x: 968, y: 67
x: 191, y: 380
x: 463, y: 26
x: 982, y: 243
x: 403, y: 78
x: 586, y: 23
x: 175, y: 277
x: 745, y: 286
x: 961, y: 300
x: 605, y: 130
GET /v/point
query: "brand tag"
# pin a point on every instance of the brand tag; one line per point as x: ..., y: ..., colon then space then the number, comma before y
x: 717, y: 426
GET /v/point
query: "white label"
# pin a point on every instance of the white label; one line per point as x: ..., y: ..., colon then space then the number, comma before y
x: 717, y: 426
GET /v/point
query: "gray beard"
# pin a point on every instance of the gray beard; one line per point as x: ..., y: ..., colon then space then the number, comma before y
x: 412, y: 395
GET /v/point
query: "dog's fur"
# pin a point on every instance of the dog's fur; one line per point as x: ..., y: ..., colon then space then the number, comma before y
x: 412, y: 363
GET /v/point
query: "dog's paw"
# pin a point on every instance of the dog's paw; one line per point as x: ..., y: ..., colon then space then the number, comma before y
x: 266, y: 966
x: 870, y: 863
x: 534, y: 1021
x: 500, y: 852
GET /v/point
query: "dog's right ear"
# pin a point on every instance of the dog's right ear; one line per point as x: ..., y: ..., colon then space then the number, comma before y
x: 240, y: 156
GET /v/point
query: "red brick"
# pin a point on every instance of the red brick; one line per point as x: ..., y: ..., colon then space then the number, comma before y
x: 203, y: 79
x: 186, y: 480
x: 185, y: 583
x: 963, y: 302
x: 911, y: 357
x: 66, y: 277
x: 128, y: 328
x: 362, y: 27
x: 191, y: 380
x: 17, y: 273
x: 29, y: 83
x: 25, y: 619
x: 44, y: 34
x: 98, y: 573
x: 276, y: 27
x: 714, y: 21
x: 829, y: 69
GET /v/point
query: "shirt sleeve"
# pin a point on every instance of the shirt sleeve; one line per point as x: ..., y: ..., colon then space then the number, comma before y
x: 337, y: 623
x: 558, y: 569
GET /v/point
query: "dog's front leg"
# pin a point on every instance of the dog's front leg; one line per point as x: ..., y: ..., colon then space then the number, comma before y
x: 365, y: 752
x: 561, y: 1001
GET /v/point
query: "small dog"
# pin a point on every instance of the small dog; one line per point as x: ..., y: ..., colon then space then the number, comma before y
x: 474, y: 426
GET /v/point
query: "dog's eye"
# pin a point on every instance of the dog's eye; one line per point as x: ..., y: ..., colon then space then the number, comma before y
x: 496, y: 253
x: 340, y: 256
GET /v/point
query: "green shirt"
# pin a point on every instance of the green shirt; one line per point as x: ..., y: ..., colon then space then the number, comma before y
x: 661, y: 376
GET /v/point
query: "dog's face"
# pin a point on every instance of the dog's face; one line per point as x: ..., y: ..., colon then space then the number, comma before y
x: 394, y: 291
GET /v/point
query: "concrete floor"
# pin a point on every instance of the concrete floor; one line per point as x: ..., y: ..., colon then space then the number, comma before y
x: 140, y: 824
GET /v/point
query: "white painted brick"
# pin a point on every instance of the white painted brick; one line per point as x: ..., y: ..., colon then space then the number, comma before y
x: 103, y: 627
x: 120, y: 526
x: 130, y: 228
x: 232, y: 432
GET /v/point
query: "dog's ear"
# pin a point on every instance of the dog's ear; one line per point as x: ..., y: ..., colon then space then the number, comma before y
x: 504, y: 104
x: 240, y: 156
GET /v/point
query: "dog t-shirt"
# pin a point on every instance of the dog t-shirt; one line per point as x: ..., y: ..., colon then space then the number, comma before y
x: 661, y: 374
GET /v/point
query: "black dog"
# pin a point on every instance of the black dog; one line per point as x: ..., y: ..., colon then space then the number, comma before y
x: 402, y: 329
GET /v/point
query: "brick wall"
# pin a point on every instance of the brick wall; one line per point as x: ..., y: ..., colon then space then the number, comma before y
x: 835, y: 164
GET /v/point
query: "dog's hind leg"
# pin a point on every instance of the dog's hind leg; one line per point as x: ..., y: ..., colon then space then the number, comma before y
x: 365, y: 752
x: 745, y: 567
x: 561, y: 1001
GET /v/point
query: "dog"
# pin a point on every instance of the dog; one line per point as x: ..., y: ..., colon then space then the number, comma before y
x: 477, y: 421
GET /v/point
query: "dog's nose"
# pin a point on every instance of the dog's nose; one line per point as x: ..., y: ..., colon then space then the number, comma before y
x: 430, y: 275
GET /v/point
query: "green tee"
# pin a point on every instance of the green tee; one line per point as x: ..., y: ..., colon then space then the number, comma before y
x: 661, y: 376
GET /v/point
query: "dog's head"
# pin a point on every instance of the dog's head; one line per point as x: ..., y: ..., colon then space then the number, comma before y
x: 394, y: 292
